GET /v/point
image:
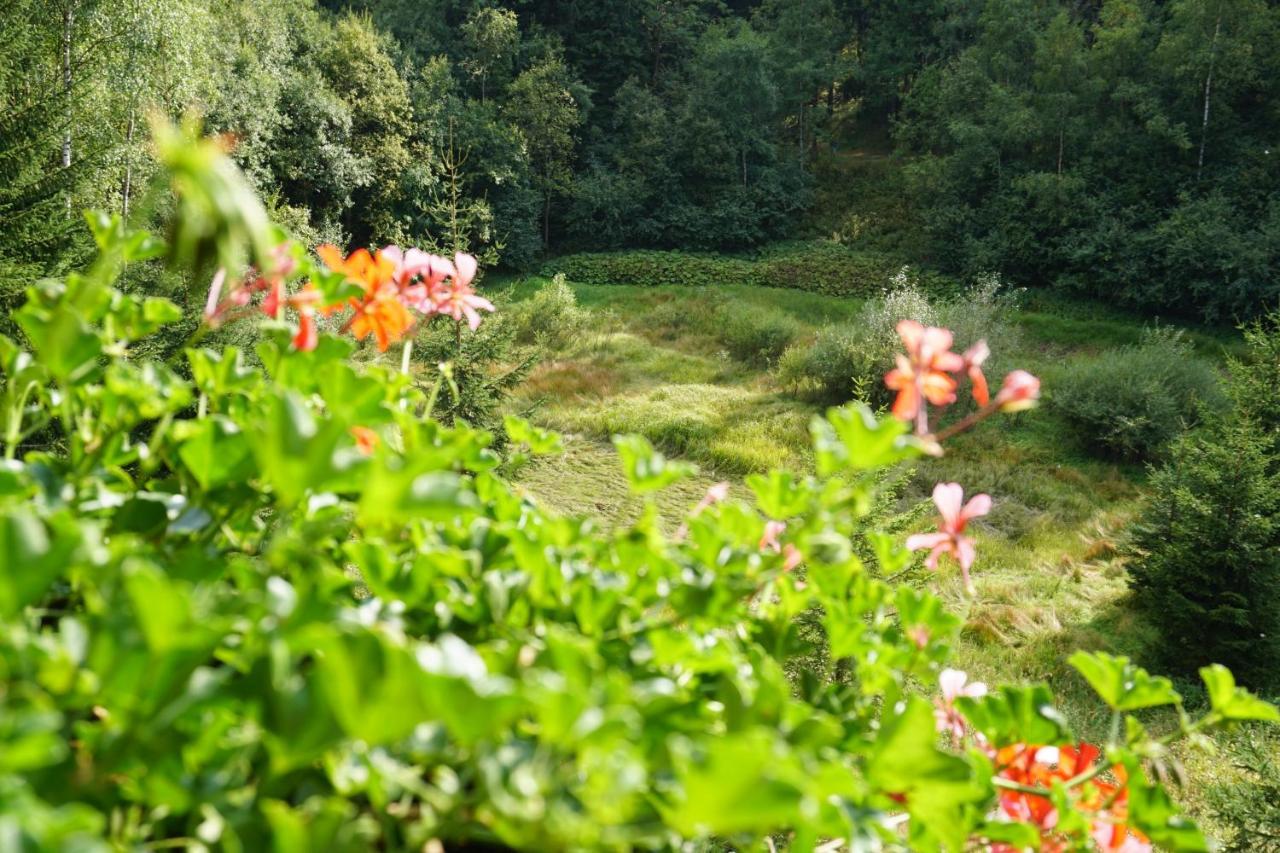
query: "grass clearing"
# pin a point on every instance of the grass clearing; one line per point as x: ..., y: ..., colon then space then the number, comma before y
x: 1049, y: 580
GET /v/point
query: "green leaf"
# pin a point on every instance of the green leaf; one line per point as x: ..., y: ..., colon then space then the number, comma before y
x: 221, y: 374
x: 161, y: 606
x: 373, y: 685
x: 396, y: 494
x: 851, y: 439
x: 145, y: 513
x: 1016, y: 714
x: 1123, y: 686
x: 737, y: 783
x: 942, y: 794
x: 66, y: 345
x: 540, y: 442
x: 646, y: 469
x: 1232, y: 702
x: 31, y: 558
x: 216, y: 452
x: 1153, y: 813
x: 779, y: 494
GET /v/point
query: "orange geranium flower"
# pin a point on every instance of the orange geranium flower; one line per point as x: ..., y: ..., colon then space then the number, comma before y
x: 366, y: 439
x: 1107, y: 801
x: 379, y: 311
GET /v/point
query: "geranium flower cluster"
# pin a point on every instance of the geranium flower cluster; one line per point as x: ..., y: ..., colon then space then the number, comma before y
x: 398, y: 288
x: 1027, y: 773
x: 926, y: 374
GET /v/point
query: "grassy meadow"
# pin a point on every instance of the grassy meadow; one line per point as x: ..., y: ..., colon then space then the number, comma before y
x: 658, y: 361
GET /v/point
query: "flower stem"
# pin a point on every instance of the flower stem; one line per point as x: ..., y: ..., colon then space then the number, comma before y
x: 969, y: 421
x: 405, y: 355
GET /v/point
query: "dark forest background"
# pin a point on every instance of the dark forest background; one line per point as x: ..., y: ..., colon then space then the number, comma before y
x: 1124, y: 149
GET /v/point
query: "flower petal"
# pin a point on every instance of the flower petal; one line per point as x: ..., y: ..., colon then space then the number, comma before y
x: 978, y: 505
x: 948, y: 497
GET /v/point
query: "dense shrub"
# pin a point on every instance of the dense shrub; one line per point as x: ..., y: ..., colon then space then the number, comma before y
x: 818, y: 266
x: 1206, y: 551
x: 848, y: 360
x: 550, y: 318
x: 1248, y: 805
x: 651, y: 268
x: 1128, y: 403
x: 755, y: 334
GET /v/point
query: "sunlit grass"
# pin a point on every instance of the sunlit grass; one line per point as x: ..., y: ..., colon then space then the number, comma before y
x: 1049, y: 576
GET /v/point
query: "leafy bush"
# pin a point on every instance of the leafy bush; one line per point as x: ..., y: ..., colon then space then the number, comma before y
x: 755, y: 335
x: 819, y: 266
x: 848, y: 360
x: 1130, y: 402
x: 301, y: 614
x: 834, y: 366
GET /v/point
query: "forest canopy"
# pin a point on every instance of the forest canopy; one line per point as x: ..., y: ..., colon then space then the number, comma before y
x: 1119, y: 148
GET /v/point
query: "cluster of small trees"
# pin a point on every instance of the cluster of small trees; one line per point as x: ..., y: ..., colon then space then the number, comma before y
x: 457, y: 124
x: 1123, y: 149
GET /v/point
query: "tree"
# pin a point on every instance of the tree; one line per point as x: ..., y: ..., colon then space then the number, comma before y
x: 541, y: 103
x: 1205, y: 553
x: 358, y: 68
x: 490, y: 37
x: 805, y: 37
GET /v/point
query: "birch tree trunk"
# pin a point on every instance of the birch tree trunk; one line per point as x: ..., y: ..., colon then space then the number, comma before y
x: 1208, y: 89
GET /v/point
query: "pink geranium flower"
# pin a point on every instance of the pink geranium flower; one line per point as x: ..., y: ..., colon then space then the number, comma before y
x: 954, y: 515
x: 769, y: 540
x: 459, y: 299
x: 1020, y: 391
x: 791, y: 557
x: 420, y: 275
x: 954, y: 683
x: 715, y: 494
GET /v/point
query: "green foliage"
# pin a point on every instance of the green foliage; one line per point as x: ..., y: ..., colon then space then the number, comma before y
x: 840, y: 363
x: 551, y: 318
x: 233, y: 619
x: 471, y: 372
x: 1250, y: 805
x: 1128, y: 403
x: 753, y: 334
x: 818, y: 266
x: 1204, y: 558
x: 848, y: 360
x: 1115, y: 150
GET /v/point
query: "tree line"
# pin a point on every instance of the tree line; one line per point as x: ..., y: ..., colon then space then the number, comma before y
x: 1122, y: 148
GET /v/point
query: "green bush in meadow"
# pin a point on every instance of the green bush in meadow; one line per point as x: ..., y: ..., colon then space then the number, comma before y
x: 1129, y: 403
x: 755, y: 334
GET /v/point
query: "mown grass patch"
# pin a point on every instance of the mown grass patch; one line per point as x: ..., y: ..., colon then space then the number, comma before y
x: 587, y: 480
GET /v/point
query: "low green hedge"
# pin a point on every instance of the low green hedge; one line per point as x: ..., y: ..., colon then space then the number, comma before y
x: 821, y: 267
x: 651, y: 268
